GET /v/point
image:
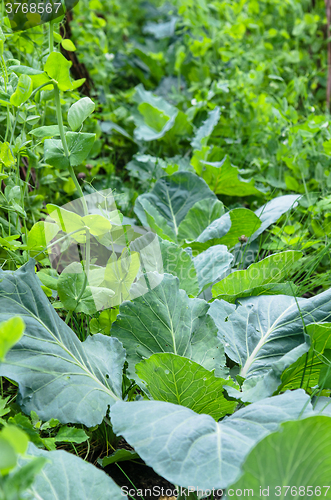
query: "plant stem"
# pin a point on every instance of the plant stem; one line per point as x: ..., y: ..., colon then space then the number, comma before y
x: 87, y: 265
x: 59, y: 119
x: 65, y: 145
x: 79, y: 189
x: 51, y: 37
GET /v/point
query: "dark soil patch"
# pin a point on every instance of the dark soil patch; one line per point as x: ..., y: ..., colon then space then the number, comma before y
x: 143, y: 477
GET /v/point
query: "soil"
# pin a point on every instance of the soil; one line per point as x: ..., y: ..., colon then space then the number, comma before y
x: 143, y: 477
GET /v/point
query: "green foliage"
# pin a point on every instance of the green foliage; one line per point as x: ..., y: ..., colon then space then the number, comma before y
x: 281, y: 463
x: 179, y: 380
x: 10, y: 332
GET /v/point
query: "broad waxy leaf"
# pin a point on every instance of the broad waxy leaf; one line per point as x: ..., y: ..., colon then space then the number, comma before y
x: 10, y: 332
x: 255, y: 279
x: 211, y: 264
x: 306, y: 371
x: 179, y: 380
x: 166, y: 320
x: 166, y: 206
x: 156, y: 116
x: 58, y: 376
x: 224, y: 178
x: 68, y: 476
x: 227, y: 229
x: 170, y: 437
x: 57, y: 67
x: 295, y: 461
x: 198, y: 218
x: 263, y: 330
x: 70, y: 285
x: 179, y: 263
x: 273, y: 210
x: 79, y: 111
x: 22, y: 92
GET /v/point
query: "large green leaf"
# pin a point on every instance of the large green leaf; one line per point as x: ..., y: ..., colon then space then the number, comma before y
x: 68, y: 476
x: 224, y: 178
x: 166, y: 320
x: 70, y: 285
x: 212, y: 264
x: 166, y: 206
x: 191, y: 449
x: 179, y: 263
x: 179, y: 380
x: 228, y: 229
x: 261, y: 278
x: 155, y: 118
x: 306, y: 371
x: 265, y: 330
x: 198, y: 218
x: 58, y: 376
x: 293, y: 462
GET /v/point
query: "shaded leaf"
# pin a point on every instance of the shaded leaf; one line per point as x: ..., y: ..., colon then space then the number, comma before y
x: 169, y: 437
x: 259, y: 279
x: 179, y: 380
x: 294, y: 460
x: 58, y: 376
x: 166, y: 320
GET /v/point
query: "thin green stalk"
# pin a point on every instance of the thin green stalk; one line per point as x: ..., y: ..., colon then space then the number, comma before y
x: 79, y: 189
x: 87, y: 265
x: 51, y: 37
x: 120, y: 468
x: 14, y: 127
x: 65, y: 145
x: 61, y: 239
x: 68, y: 317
